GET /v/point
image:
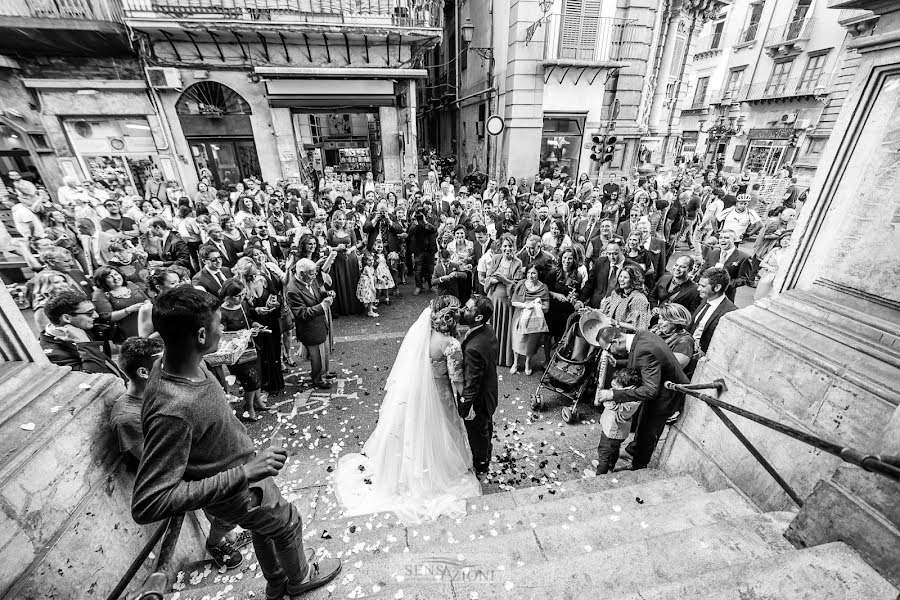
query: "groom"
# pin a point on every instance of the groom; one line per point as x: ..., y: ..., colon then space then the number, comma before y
x: 479, y: 396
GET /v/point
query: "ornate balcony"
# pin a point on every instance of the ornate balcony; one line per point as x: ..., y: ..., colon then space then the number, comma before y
x: 344, y: 14
x: 62, y: 27
x: 789, y: 38
x: 708, y: 46
x: 584, y: 45
x: 783, y: 89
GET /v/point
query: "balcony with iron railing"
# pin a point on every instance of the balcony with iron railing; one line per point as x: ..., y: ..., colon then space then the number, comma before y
x: 75, y: 10
x: 707, y: 46
x: 63, y: 27
x: 789, y: 38
x: 575, y: 41
x: 794, y: 87
x: 748, y: 35
x: 427, y: 14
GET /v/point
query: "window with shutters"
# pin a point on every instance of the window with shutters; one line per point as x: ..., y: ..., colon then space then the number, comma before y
x: 677, y: 56
x: 700, y: 93
x: 812, y: 73
x: 580, y: 29
x: 779, y: 77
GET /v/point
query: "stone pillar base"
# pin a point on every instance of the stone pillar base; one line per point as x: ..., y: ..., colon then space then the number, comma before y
x: 812, y: 361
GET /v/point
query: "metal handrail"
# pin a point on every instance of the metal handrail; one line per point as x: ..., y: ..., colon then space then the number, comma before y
x: 155, y: 585
x: 886, y: 466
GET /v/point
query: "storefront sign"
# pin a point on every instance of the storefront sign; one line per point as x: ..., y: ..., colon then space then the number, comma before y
x: 771, y: 133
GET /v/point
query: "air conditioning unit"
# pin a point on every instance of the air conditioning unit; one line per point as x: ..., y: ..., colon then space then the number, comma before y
x: 788, y: 118
x: 164, y: 78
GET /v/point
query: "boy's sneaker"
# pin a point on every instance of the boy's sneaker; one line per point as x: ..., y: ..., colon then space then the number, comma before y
x: 225, y: 555
x: 242, y: 539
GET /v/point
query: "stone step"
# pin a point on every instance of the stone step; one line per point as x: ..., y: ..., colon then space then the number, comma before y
x: 830, y: 571
x: 535, y: 571
x: 503, y: 511
x: 48, y: 400
x: 25, y: 383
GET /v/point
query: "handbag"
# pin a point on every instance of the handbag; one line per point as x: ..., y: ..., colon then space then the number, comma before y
x: 531, y: 321
x: 250, y: 354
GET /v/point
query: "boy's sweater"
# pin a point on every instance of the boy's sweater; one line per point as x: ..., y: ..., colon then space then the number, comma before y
x: 194, y: 447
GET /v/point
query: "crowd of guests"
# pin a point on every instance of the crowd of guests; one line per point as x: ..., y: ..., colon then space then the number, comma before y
x: 540, y: 251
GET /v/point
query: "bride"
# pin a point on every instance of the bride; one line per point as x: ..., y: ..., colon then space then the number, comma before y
x: 417, y: 463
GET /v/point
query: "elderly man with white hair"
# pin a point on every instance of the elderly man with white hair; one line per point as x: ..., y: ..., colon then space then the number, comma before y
x: 311, y: 307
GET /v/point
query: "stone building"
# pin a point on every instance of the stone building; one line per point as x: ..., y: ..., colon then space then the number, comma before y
x: 559, y: 74
x: 764, y: 84
x: 296, y: 91
x: 73, y: 97
x: 286, y: 90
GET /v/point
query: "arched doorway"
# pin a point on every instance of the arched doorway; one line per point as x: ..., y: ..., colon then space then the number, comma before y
x: 216, y: 123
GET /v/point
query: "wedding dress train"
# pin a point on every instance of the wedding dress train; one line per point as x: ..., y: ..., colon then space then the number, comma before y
x: 417, y: 463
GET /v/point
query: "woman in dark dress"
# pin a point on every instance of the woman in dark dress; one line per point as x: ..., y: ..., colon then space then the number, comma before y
x: 236, y: 317
x: 264, y: 302
x: 117, y: 301
x: 564, y: 282
x: 131, y: 263
x: 345, y: 270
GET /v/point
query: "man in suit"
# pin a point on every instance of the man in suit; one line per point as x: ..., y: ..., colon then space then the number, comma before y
x: 447, y: 275
x: 422, y: 244
x: 656, y: 252
x: 481, y: 245
x: 173, y: 249
x: 677, y: 287
x: 602, y: 278
x: 479, y: 397
x: 625, y: 227
x: 267, y: 242
x: 213, y: 274
x: 712, y: 289
x: 541, y: 224
x: 649, y: 354
x: 533, y: 255
x: 728, y: 257
x: 308, y: 303
x: 381, y: 225
x: 217, y: 241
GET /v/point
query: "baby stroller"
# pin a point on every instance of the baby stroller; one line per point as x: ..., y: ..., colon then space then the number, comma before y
x: 572, y: 371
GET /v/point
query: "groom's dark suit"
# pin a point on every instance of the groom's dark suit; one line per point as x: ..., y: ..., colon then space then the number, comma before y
x: 480, y: 348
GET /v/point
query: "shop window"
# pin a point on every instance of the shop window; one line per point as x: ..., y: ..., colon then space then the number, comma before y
x: 117, y: 152
x: 561, y: 146
x: 346, y: 144
x: 777, y: 84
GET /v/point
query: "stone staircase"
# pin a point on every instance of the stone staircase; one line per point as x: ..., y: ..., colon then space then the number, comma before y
x: 641, y: 535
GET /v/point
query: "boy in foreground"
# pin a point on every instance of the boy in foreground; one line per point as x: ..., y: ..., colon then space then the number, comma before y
x: 136, y: 358
x: 198, y: 455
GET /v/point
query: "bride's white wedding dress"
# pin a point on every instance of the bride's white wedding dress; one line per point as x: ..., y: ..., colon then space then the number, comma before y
x: 417, y: 463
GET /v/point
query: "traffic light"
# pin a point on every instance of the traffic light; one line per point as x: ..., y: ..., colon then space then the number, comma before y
x: 597, y: 147
x: 609, y: 148
x: 602, y: 149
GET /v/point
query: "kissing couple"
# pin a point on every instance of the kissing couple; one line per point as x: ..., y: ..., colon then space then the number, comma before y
x: 433, y: 436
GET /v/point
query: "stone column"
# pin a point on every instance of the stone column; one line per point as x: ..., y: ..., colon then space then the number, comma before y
x: 17, y: 343
x: 283, y: 126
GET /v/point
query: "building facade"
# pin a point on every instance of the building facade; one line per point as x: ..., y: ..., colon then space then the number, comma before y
x: 764, y: 84
x: 559, y: 73
x: 296, y: 90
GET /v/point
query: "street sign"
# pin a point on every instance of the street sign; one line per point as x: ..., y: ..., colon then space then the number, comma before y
x: 494, y: 125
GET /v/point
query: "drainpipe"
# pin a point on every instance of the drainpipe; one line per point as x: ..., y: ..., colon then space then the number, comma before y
x: 458, y: 75
x: 487, y: 145
x: 660, y: 43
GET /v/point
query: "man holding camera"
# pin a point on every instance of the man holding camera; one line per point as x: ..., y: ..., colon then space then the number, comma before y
x: 423, y: 244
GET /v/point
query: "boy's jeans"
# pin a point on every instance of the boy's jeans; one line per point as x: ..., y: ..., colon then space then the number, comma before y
x: 607, y: 453
x: 276, y: 526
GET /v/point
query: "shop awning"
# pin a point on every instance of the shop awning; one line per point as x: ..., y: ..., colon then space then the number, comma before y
x: 338, y: 93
